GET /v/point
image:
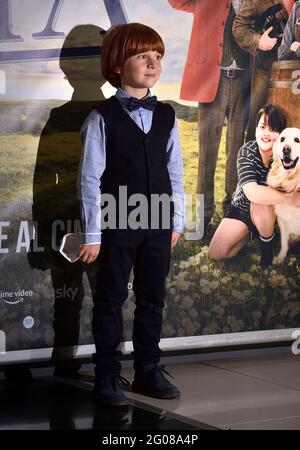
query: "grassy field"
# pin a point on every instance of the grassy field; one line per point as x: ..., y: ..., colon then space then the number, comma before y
x: 17, y: 162
x: 18, y: 156
x: 189, y: 141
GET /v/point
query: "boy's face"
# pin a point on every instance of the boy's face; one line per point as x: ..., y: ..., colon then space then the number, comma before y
x: 141, y: 71
x: 265, y: 137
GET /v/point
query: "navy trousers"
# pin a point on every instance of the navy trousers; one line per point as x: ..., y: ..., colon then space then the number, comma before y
x: 148, y: 252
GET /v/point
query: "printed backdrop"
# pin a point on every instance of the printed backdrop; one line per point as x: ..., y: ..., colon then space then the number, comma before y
x: 49, y: 80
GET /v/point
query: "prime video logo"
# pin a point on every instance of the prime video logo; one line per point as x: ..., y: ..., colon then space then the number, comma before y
x: 2, y: 343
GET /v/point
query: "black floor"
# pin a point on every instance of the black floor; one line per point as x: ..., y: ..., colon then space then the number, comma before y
x: 48, y: 405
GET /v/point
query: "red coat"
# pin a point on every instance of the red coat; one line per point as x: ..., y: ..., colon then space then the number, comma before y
x: 203, y: 66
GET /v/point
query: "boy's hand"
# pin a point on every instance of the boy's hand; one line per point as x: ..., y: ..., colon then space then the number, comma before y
x: 175, y: 237
x: 89, y: 253
x: 266, y: 43
x: 294, y: 47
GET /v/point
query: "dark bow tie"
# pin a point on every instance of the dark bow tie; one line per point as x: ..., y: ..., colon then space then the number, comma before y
x: 148, y: 103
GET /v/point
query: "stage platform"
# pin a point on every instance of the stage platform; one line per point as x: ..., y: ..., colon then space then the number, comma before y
x: 253, y: 389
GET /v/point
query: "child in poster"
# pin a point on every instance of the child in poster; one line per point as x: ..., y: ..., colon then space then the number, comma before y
x: 252, y: 206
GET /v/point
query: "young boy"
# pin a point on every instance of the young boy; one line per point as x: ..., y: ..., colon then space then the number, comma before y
x: 290, y: 45
x: 251, y: 209
x: 131, y: 141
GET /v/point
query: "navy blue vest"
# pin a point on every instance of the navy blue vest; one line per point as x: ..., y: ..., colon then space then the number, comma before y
x: 133, y: 158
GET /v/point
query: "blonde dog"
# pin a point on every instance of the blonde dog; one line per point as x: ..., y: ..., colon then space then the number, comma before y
x: 285, y: 176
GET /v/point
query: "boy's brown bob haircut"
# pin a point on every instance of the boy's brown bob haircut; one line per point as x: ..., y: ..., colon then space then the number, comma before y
x: 122, y: 41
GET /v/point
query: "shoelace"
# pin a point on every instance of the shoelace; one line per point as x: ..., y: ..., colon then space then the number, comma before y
x: 119, y: 381
x: 162, y: 369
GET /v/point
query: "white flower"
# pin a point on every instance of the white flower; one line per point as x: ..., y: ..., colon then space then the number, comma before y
x: 216, y: 273
x: 226, y: 280
x: 252, y: 282
x: 204, y: 250
x: 206, y: 291
x: 238, y: 295
x: 214, y: 285
x: 254, y: 268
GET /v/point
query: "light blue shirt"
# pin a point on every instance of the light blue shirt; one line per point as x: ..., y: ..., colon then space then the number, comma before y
x: 93, y: 163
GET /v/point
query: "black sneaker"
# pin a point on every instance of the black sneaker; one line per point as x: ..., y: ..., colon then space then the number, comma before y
x: 153, y: 383
x: 109, y: 391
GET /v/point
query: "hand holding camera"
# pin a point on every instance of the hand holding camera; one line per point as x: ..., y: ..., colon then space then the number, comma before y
x: 267, y: 42
x: 271, y: 26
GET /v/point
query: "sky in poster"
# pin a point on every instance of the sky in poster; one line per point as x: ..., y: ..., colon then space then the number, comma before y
x: 45, y: 80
